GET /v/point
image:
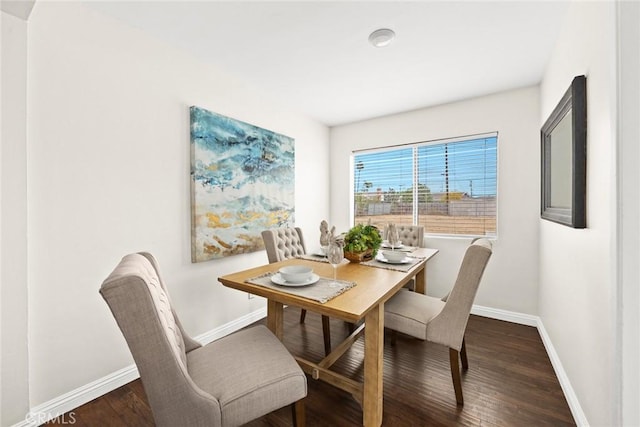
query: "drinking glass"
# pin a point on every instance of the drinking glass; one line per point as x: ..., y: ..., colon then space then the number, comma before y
x: 324, y: 250
x: 335, y: 255
x: 393, y: 237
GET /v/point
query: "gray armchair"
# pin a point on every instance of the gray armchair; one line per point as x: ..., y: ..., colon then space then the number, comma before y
x: 285, y: 243
x: 442, y: 321
x: 228, y: 382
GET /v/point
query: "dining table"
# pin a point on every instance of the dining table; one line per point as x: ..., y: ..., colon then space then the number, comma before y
x: 368, y: 286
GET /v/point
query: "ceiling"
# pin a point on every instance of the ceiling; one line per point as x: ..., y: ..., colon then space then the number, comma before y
x: 314, y: 55
x: 18, y: 8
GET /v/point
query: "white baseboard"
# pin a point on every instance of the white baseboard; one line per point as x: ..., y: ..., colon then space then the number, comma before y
x: 71, y: 400
x: 67, y: 402
x: 62, y: 404
x: 508, y: 316
x: 530, y: 320
x: 231, y: 327
x: 572, y: 399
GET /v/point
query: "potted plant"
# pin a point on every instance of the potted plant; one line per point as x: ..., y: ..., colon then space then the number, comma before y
x: 361, y: 243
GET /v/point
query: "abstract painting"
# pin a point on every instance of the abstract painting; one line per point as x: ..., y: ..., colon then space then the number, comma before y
x: 242, y: 181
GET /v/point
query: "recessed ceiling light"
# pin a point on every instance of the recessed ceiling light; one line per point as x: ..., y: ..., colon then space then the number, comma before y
x: 381, y: 37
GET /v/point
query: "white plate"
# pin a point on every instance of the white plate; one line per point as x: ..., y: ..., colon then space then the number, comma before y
x: 381, y: 258
x: 387, y: 245
x: 278, y: 280
x: 320, y: 254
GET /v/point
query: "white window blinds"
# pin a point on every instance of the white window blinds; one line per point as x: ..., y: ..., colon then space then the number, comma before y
x: 448, y: 186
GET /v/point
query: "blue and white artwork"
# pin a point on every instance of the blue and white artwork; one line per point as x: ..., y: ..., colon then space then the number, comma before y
x: 242, y: 180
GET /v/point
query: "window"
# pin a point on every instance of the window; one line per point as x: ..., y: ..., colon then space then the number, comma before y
x: 447, y: 186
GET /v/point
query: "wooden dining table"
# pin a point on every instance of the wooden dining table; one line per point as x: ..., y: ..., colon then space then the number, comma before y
x: 365, y: 301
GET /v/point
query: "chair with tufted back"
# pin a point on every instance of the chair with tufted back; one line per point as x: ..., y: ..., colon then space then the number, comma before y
x: 285, y: 243
x: 410, y: 235
x: 228, y: 382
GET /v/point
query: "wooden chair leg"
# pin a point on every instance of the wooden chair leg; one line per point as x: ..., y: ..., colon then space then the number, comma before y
x: 303, y: 314
x: 463, y: 356
x: 326, y: 332
x: 455, y: 375
x: 298, y: 414
x: 350, y: 327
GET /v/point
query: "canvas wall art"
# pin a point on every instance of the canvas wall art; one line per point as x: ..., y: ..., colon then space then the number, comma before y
x: 242, y: 180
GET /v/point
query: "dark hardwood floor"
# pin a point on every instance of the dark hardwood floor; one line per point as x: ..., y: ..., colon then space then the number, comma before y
x: 510, y: 382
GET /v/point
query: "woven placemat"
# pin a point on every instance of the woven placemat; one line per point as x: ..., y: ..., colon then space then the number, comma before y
x: 397, y: 267
x: 322, y: 291
x: 312, y: 257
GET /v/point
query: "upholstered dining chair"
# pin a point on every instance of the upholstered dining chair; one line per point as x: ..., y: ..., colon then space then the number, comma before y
x: 228, y: 382
x: 285, y: 243
x: 442, y: 321
x: 410, y: 235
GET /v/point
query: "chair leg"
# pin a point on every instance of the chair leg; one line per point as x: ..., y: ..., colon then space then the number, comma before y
x: 463, y: 356
x: 298, y: 413
x: 326, y: 332
x: 455, y: 375
x: 350, y: 327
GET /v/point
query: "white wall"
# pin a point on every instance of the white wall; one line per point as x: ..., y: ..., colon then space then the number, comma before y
x: 628, y: 233
x: 510, y: 282
x: 576, y: 266
x: 14, y: 402
x: 108, y: 174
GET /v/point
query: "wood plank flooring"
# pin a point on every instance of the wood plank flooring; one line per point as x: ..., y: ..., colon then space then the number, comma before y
x: 510, y: 382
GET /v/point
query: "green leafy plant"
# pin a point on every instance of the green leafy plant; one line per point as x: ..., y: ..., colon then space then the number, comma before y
x: 362, y: 237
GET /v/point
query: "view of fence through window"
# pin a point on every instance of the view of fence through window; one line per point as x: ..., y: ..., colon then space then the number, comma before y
x: 449, y: 187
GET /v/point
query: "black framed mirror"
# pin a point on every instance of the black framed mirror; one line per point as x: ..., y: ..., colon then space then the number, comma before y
x: 564, y: 159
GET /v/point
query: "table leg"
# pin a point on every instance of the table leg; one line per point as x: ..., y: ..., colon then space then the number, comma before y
x: 373, y: 367
x: 421, y: 281
x: 275, y: 318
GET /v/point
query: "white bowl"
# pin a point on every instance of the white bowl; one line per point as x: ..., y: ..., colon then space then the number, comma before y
x: 394, y: 256
x: 296, y: 273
